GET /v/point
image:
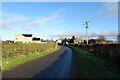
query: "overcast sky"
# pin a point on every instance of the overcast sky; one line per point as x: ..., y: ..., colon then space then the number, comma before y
x: 59, y: 19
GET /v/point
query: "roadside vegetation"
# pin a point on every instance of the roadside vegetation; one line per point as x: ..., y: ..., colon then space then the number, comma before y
x: 15, y: 54
x: 90, y: 66
x: 110, y: 53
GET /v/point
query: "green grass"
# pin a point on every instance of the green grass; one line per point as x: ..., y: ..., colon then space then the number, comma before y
x: 90, y: 66
x: 10, y: 63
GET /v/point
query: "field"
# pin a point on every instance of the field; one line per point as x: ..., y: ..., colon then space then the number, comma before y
x: 14, y: 54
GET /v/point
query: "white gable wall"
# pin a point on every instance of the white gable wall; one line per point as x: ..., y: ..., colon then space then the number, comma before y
x: 23, y: 39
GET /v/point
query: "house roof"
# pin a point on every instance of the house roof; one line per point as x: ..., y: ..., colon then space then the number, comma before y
x: 36, y: 39
x: 27, y: 35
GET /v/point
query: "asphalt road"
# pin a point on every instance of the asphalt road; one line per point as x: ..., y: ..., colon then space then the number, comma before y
x: 55, y: 65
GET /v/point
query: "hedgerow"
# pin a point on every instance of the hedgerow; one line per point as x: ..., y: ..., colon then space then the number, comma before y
x: 16, y: 49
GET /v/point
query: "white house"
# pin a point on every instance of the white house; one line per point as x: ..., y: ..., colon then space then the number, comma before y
x: 26, y: 38
x: 59, y: 41
x: 78, y: 41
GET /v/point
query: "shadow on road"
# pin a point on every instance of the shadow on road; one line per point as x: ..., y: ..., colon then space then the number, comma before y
x: 61, y: 68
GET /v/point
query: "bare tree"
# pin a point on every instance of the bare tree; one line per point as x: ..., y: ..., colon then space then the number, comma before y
x: 101, y: 39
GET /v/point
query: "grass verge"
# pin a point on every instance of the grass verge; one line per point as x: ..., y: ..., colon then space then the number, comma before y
x: 9, y: 63
x: 89, y: 66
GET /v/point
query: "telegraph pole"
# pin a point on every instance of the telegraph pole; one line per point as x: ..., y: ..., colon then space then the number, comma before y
x: 87, y: 31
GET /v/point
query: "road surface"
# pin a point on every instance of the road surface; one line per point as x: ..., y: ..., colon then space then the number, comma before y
x: 55, y: 65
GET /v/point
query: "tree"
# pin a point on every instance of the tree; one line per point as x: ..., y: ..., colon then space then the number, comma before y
x: 72, y: 39
x: 101, y: 39
x: 65, y: 41
x: 85, y: 42
x: 92, y: 41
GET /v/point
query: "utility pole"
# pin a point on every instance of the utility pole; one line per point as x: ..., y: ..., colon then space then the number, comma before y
x: 87, y: 31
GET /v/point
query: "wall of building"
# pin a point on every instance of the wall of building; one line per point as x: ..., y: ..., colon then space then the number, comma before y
x: 23, y: 39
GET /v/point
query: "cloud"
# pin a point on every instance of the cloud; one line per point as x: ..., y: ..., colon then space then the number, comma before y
x: 99, y: 14
x: 46, y: 19
x: 111, y: 10
x: 10, y: 20
x: 59, y: 11
x: 41, y: 21
x: 107, y: 33
x: 91, y: 34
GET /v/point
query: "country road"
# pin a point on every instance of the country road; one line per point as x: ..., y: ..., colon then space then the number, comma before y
x: 55, y: 65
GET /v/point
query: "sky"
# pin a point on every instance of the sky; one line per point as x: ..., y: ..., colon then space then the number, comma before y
x: 59, y: 0
x: 52, y: 20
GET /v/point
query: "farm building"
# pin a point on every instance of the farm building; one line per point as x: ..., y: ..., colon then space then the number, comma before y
x: 58, y: 41
x: 78, y: 41
x: 26, y: 38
